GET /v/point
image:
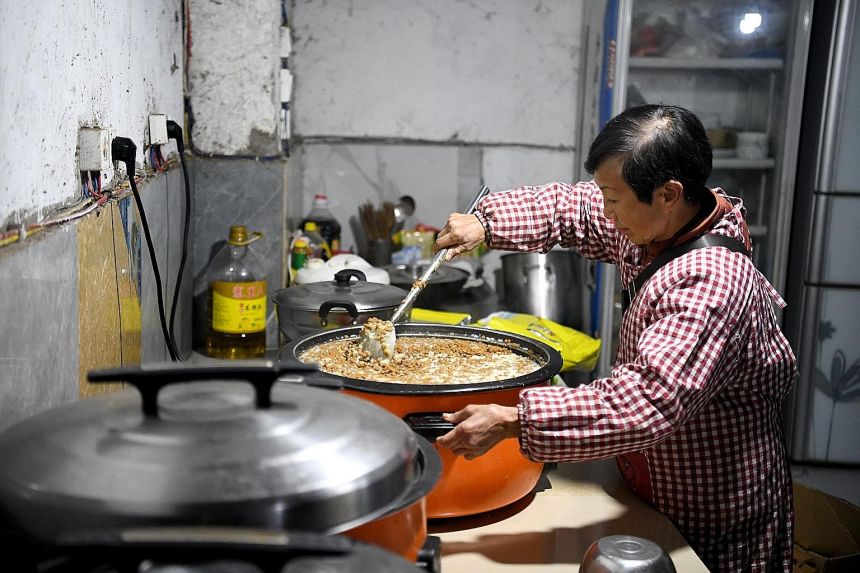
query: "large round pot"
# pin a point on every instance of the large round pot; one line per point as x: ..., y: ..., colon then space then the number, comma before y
x: 306, y: 308
x: 499, y: 477
x: 444, y: 285
x: 211, y: 449
x: 554, y: 285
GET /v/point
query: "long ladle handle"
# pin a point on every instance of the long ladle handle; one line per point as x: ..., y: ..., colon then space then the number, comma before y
x: 419, y: 284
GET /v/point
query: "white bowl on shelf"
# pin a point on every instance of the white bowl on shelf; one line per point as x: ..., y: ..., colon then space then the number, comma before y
x: 752, y: 145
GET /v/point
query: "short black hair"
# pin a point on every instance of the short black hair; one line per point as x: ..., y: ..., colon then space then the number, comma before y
x: 656, y: 143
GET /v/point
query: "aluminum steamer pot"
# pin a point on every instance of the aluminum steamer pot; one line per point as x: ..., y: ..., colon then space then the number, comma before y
x: 244, y: 445
x: 303, y: 309
x: 499, y: 477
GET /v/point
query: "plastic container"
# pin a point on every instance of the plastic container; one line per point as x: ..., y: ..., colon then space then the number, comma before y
x: 232, y: 298
x: 327, y: 226
x: 752, y: 145
x: 327, y: 270
x: 298, y: 257
x: 318, y: 248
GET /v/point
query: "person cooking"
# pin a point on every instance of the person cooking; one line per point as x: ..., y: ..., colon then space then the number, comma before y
x: 692, y: 409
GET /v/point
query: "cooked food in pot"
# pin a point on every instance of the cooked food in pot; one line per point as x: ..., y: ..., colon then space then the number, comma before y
x: 422, y: 360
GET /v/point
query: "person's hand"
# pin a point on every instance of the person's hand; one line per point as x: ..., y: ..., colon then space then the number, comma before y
x: 462, y: 233
x: 479, y: 428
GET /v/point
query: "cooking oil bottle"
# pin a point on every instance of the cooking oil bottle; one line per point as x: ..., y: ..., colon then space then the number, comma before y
x: 236, y: 300
x: 325, y: 223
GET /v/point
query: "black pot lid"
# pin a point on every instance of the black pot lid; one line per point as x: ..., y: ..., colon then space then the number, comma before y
x: 316, y: 459
x: 366, y: 296
x: 408, y: 274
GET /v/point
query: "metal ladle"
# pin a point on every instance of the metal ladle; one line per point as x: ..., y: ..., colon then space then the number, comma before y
x: 379, y: 341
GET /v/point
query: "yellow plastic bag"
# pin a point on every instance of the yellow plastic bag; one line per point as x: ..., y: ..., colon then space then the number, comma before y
x: 578, y: 350
x: 440, y: 317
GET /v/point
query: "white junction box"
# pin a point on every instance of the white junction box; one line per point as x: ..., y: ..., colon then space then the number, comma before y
x: 157, y: 129
x: 94, y: 149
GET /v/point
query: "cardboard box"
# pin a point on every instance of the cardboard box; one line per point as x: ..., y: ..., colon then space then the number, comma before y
x: 826, y: 533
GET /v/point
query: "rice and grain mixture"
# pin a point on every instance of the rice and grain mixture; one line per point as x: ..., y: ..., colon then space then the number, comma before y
x: 422, y: 360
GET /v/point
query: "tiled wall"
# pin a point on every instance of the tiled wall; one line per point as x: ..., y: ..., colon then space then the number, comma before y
x: 241, y: 192
x: 70, y: 301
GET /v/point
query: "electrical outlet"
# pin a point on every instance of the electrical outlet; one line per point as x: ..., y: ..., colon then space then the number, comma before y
x: 157, y: 129
x: 94, y: 149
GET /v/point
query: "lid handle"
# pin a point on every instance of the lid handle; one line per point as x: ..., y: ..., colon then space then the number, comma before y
x: 255, y: 545
x: 343, y: 277
x: 149, y: 379
x: 326, y: 307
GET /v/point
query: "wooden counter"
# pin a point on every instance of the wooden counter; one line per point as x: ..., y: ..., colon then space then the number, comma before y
x: 549, y: 530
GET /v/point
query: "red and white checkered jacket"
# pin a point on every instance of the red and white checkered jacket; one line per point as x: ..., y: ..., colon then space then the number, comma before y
x: 693, y: 405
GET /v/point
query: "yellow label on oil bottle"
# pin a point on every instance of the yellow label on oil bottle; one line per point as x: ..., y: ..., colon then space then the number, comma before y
x: 238, y: 308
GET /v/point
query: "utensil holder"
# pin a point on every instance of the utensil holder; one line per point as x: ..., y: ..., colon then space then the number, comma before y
x: 379, y: 252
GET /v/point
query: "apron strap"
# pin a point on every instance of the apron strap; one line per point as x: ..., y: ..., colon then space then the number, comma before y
x: 700, y: 242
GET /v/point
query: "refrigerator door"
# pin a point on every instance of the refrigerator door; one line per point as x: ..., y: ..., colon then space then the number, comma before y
x: 741, y: 68
x: 824, y: 288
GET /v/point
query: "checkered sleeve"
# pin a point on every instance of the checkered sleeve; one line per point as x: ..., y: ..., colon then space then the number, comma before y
x: 683, y: 357
x: 537, y: 218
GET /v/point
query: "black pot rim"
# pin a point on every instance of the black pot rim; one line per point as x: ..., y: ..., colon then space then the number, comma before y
x: 550, y: 357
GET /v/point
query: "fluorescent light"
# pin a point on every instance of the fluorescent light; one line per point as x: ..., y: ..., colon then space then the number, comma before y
x: 750, y: 22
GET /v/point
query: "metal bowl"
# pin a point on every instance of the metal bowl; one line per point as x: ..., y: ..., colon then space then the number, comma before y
x: 626, y: 554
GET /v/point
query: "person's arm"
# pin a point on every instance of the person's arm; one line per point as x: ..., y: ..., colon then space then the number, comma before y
x: 682, y: 360
x: 536, y: 219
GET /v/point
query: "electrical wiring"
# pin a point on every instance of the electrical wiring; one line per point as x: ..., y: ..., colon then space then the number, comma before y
x: 81, y: 208
x: 175, y: 133
x: 124, y: 150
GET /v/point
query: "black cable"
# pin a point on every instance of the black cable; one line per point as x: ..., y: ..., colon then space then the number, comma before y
x: 175, y: 132
x: 158, y: 289
x: 124, y: 149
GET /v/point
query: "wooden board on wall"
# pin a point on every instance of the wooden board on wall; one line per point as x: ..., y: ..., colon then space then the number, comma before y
x: 109, y: 307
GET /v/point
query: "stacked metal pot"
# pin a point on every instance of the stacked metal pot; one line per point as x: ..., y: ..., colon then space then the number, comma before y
x: 255, y: 446
x: 308, y: 308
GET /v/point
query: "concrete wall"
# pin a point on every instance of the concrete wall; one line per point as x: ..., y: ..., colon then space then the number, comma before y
x: 432, y: 99
x: 78, y: 63
x: 234, y: 101
x: 80, y: 295
x: 493, y: 71
x: 233, y: 75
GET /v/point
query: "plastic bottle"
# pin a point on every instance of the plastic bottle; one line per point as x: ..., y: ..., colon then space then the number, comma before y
x: 317, y: 246
x: 327, y: 225
x: 236, y: 297
x: 298, y: 257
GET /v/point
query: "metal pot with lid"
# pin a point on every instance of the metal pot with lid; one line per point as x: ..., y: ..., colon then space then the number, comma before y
x: 227, y: 445
x: 311, y: 307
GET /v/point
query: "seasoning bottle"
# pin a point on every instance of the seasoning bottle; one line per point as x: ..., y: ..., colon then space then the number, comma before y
x: 326, y: 225
x: 236, y: 300
x: 298, y: 257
